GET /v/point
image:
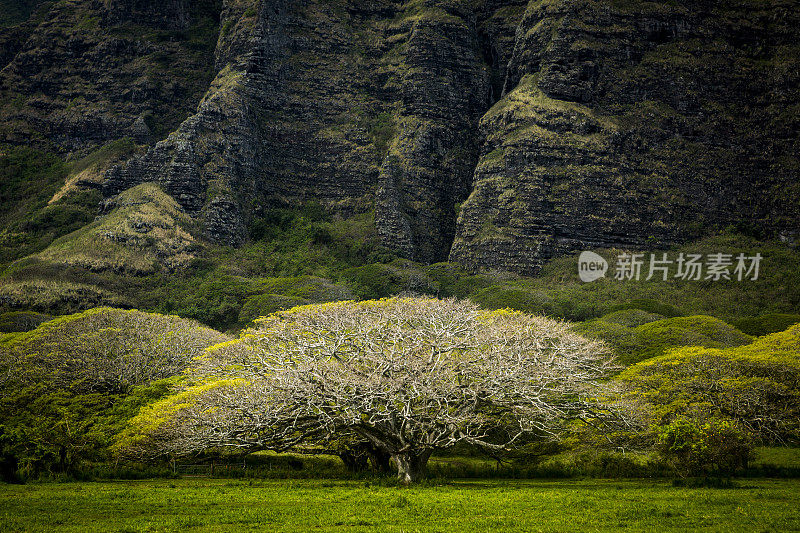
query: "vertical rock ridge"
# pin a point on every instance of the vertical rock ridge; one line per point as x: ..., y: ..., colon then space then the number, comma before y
x: 355, y: 106
x: 635, y: 125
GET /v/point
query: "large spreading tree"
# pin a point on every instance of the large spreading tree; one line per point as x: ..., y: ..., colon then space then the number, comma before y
x: 409, y: 375
x: 753, y: 386
x: 68, y: 386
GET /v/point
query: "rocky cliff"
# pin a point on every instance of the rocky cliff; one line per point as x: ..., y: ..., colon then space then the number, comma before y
x: 358, y: 106
x: 496, y: 133
x: 637, y: 124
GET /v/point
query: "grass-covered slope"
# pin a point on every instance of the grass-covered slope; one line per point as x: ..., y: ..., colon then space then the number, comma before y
x: 16, y: 11
x: 145, y: 231
x: 19, y: 321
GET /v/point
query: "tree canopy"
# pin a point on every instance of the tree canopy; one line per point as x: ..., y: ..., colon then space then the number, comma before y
x: 70, y: 385
x: 754, y: 385
x: 410, y: 375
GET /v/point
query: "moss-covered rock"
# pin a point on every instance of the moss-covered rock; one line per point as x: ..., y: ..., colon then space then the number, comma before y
x: 636, y: 125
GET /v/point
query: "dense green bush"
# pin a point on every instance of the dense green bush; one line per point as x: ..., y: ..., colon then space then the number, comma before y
x: 68, y: 386
x: 650, y: 306
x: 310, y: 241
x: 563, y: 294
x: 266, y: 304
x: 498, y: 297
x: 19, y: 321
x: 377, y: 281
x: 374, y: 281
x: 654, y: 337
x: 631, y: 318
x: 766, y: 324
x: 716, y: 447
x: 753, y: 386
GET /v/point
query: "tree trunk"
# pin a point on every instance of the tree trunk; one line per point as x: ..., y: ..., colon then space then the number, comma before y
x: 379, y: 459
x: 411, y: 466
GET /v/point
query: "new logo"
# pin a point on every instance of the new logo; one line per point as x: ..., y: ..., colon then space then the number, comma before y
x: 591, y: 267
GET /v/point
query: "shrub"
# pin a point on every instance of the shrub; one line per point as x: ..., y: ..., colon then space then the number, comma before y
x: 754, y: 386
x: 632, y: 318
x: 654, y: 338
x: 380, y: 281
x: 266, y: 304
x: 498, y: 297
x: 717, y: 447
x: 650, y: 306
x: 69, y: 385
x: 766, y: 324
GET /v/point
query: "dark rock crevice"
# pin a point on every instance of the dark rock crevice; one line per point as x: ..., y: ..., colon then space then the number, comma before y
x: 354, y: 106
x: 81, y: 73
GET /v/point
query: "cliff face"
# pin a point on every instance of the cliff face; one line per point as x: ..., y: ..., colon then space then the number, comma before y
x: 81, y: 73
x: 357, y: 106
x: 637, y: 124
x: 513, y: 130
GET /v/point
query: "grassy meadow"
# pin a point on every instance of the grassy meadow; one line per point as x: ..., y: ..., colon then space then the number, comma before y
x: 305, y: 505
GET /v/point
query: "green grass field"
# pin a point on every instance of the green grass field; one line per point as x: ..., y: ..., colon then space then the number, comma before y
x: 225, y: 505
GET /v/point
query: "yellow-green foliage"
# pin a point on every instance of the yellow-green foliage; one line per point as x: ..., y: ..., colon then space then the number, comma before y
x: 777, y: 349
x: 147, y: 231
x: 755, y: 385
x: 141, y: 436
x: 714, y: 447
x: 68, y: 386
x: 103, y: 349
x: 654, y: 337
